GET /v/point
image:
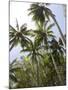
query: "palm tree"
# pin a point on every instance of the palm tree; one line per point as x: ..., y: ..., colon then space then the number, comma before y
x: 18, y: 36
x: 57, y: 46
x: 40, y: 13
x: 34, y: 54
x: 43, y: 34
x: 57, y: 51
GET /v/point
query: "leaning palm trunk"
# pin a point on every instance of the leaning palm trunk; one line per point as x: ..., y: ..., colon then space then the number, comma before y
x: 59, y: 29
x: 37, y: 72
x: 56, y: 69
x: 55, y: 66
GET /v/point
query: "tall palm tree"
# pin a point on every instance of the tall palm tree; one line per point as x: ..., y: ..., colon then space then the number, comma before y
x: 34, y: 54
x: 57, y: 48
x: 18, y: 35
x: 40, y: 13
x: 42, y: 35
x: 57, y: 51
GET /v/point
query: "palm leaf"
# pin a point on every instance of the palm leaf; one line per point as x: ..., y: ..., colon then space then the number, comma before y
x: 25, y: 50
x: 46, y: 22
x: 17, y: 25
x: 12, y: 29
x: 13, y: 78
x: 40, y: 55
x: 50, y: 26
x: 23, y: 27
x: 13, y: 44
x: 13, y: 40
x: 13, y: 62
x: 14, y: 69
x: 49, y: 31
x: 50, y: 35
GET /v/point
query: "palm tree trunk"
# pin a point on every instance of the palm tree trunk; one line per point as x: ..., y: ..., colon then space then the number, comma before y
x: 59, y: 29
x: 37, y: 73
x: 56, y: 69
x: 55, y: 66
x: 37, y: 66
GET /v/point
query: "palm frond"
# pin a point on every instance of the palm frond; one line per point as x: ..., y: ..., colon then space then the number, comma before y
x: 40, y: 55
x: 50, y: 26
x: 25, y: 50
x: 13, y: 62
x: 17, y: 25
x: 11, y: 47
x: 12, y: 29
x: 12, y: 40
x: 12, y: 77
x: 23, y: 27
x: 60, y: 41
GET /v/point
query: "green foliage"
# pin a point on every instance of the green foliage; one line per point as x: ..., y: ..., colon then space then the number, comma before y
x: 26, y: 74
x: 40, y: 13
x: 45, y: 63
x: 18, y: 36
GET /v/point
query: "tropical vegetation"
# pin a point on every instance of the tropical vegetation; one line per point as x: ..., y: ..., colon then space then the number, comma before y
x: 45, y: 62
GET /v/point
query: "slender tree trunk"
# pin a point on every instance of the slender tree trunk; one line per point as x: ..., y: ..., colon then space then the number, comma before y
x: 56, y: 69
x: 37, y: 68
x: 55, y: 66
x: 37, y: 73
x: 63, y: 38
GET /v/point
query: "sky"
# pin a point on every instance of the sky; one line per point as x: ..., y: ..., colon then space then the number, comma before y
x: 19, y: 11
